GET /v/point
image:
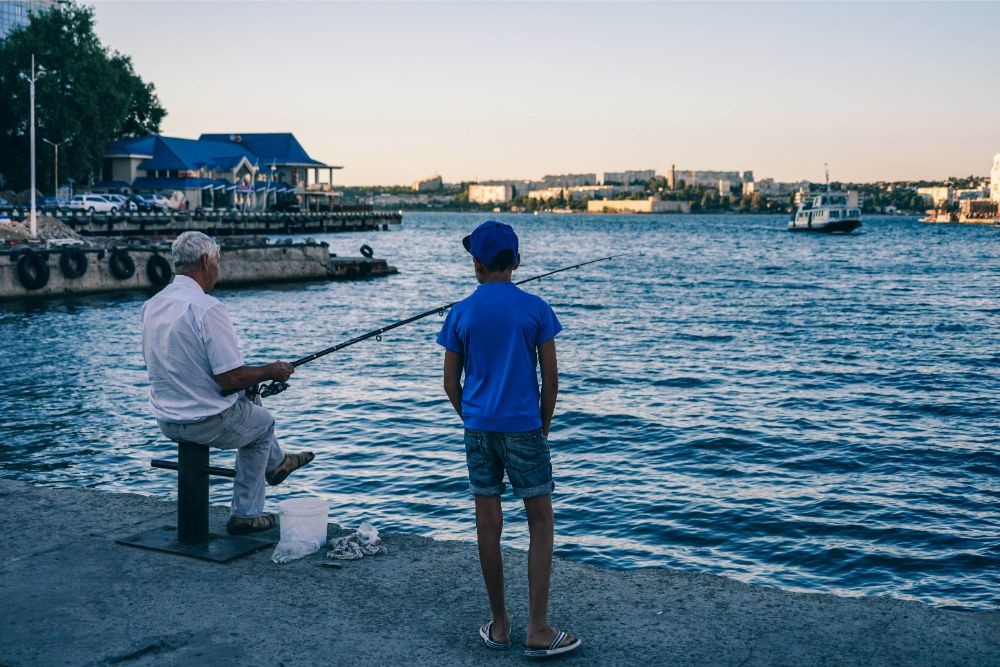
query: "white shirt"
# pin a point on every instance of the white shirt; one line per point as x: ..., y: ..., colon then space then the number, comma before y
x: 187, y: 339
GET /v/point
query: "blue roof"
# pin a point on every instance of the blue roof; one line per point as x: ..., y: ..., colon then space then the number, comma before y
x: 182, y: 154
x: 176, y: 183
x: 136, y: 146
x: 278, y: 148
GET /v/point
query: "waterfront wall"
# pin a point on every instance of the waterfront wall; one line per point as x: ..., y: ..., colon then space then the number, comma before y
x: 105, y: 269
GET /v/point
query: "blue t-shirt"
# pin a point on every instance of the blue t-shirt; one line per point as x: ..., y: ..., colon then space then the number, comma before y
x: 497, y: 329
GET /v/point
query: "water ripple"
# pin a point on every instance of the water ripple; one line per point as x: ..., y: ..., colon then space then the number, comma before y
x: 812, y: 412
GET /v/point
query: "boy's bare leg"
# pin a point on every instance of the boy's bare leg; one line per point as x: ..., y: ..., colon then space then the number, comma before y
x: 540, y: 527
x: 489, y: 526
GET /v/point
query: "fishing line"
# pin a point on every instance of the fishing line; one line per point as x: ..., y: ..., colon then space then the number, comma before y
x: 276, y: 387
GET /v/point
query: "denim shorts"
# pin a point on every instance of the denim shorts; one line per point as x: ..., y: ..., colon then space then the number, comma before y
x: 525, y: 457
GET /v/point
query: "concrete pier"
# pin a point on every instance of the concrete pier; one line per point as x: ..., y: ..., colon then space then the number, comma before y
x: 244, y: 262
x: 73, y: 596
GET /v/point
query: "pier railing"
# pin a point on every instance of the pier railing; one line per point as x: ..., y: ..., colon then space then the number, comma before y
x: 219, y: 222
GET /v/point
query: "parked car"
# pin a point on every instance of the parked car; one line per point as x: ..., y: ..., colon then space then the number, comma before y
x: 51, y: 203
x: 157, y: 200
x: 93, y: 204
x: 122, y: 201
x: 5, y: 204
x: 142, y: 204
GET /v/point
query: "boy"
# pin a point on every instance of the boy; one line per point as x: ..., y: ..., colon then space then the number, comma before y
x: 497, y: 336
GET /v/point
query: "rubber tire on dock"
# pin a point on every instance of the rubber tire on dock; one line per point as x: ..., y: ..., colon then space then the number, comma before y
x: 367, y: 252
x: 158, y: 270
x: 73, y: 263
x: 33, y: 270
x: 121, y: 264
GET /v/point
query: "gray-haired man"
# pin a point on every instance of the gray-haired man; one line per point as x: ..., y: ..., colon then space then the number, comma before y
x: 190, y: 348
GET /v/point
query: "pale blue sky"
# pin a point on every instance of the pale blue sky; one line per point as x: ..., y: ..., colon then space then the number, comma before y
x: 401, y: 91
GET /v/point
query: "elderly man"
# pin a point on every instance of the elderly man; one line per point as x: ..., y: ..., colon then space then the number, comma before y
x: 191, y: 354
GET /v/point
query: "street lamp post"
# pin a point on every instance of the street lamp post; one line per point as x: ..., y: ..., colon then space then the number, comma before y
x: 31, y: 82
x: 55, y: 179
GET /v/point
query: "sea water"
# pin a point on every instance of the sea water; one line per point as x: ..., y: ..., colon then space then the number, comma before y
x: 818, y: 413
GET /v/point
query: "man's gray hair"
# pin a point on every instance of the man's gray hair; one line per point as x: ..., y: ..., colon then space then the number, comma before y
x: 188, y: 249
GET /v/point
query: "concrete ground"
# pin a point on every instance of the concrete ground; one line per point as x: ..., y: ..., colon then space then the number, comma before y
x: 72, y: 596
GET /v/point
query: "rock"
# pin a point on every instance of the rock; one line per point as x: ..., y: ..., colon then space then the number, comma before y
x: 48, y: 228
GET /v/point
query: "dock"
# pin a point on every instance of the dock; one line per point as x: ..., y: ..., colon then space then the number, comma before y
x: 120, y: 264
x: 74, y: 596
x: 220, y: 223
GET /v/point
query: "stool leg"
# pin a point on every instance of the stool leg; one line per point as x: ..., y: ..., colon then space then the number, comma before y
x: 192, y: 493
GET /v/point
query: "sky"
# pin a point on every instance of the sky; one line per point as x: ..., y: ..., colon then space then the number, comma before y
x: 396, y: 92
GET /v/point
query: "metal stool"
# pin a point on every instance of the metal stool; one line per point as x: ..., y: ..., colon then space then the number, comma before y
x: 191, y: 536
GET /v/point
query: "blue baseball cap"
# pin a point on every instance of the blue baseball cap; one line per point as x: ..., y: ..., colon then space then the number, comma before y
x: 490, y: 238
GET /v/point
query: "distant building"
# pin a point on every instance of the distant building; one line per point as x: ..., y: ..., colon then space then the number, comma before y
x: 995, y: 179
x: 767, y: 187
x: 569, y: 180
x: 971, y: 193
x: 16, y: 14
x: 709, y: 178
x: 519, y: 187
x: 577, y: 193
x: 283, y: 161
x: 490, y: 194
x: 651, y: 205
x: 637, y: 177
x: 937, y: 194
x: 428, y: 185
x: 247, y: 171
x: 581, y: 192
x: 978, y: 209
x: 548, y: 193
x: 725, y: 187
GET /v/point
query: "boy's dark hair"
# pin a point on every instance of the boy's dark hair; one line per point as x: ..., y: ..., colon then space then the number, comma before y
x: 504, y: 260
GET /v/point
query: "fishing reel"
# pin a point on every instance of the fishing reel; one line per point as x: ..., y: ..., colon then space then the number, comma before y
x: 276, y: 387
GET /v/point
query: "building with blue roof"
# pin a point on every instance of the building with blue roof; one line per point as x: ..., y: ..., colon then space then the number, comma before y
x: 283, y: 160
x: 216, y: 170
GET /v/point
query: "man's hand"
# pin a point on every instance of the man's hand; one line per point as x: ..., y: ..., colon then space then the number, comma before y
x: 248, y: 376
x: 280, y: 370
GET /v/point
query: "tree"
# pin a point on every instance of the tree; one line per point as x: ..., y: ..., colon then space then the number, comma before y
x: 88, y: 97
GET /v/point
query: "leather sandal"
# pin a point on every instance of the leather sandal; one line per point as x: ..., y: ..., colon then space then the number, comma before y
x: 288, y: 465
x: 245, y: 526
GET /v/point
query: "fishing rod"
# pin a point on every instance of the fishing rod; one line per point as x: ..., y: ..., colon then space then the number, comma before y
x: 277, y: 386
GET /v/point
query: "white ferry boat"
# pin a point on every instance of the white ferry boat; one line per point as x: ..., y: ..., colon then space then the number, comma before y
x: 826, y: 211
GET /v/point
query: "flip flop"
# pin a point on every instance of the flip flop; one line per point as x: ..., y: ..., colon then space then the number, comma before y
x: 554, y: 648
x: 296, y: 461
x: 486, y: 632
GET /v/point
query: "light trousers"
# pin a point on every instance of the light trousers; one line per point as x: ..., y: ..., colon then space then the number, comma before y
x: 248, y: 428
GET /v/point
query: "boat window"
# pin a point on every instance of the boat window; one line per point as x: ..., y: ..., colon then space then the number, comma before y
x: 834, y: 214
